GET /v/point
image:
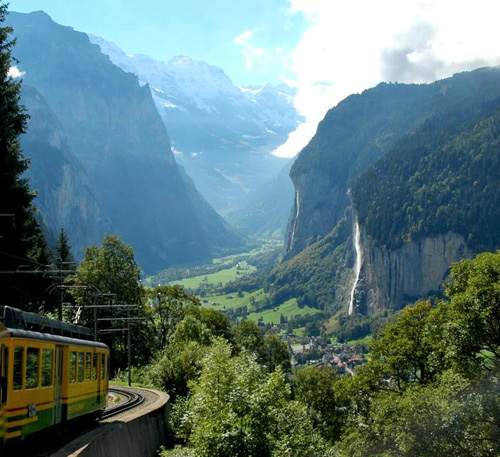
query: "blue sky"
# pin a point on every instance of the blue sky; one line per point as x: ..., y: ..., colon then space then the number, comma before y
x: 252, y: 40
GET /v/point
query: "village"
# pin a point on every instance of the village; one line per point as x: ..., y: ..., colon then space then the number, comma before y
x: 343, y: 358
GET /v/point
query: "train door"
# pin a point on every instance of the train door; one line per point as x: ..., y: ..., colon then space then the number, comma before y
x: 58, y: 384
x: 4, y: 374
x: 98, y: 369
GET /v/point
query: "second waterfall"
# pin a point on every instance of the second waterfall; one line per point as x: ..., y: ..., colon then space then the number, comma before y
x: 357, y: 265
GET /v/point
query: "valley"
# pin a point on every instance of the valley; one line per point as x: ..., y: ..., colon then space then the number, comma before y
x: 330, y: 296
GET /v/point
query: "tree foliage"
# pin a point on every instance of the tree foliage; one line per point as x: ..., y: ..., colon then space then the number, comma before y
x: 237, y: 409
x: 431, y: 385
x: 22, y: 242
x: 447, y: 181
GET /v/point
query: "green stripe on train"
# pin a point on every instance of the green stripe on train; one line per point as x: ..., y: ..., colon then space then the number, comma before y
x: 46, y: 416
x: 78, y: 408
x: 45, y: 419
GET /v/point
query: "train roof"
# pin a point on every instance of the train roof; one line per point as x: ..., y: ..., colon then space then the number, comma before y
x: 38, y: 336
x: 16, y: 319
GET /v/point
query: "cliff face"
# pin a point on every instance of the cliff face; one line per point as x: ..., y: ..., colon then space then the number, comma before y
x: 118, y: 136
x: 420, y: 168
x: 318, y: 205
x: 357, y: 132
x: 394, y: 278
x: 65, y: 194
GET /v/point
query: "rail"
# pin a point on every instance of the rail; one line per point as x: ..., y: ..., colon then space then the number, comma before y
x: 133, y: 399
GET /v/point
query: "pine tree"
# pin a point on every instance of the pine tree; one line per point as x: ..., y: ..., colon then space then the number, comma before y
x: 21, y: 241
x: 63, y: 251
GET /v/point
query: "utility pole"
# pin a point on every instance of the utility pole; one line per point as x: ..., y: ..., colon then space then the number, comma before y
x: 129, y: 346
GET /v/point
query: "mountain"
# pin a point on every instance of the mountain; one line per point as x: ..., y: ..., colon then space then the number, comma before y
x: 356, y: 133
x: 436, y: 206
x: 65, y: 194
x: 265, y: 211
x: 405, y: 223
x: 221, y: 133
x: 115, y: 131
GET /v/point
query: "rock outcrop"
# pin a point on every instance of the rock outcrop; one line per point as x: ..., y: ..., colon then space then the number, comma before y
x: 394, y: 278
x: 65, y: 194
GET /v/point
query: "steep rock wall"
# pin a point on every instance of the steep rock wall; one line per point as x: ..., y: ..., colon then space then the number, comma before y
x: 65, y: 193
x: 318, y: 206
x: 391, y: 279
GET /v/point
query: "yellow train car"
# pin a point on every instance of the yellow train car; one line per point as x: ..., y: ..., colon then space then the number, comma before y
x: 50, y: 372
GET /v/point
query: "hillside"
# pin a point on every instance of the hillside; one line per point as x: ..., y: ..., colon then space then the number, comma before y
x: 448, y: 181
x: 357, y: 132
x: 427, y: 200
x: 221, y: 133
x: 115, y: 131
x: 65, y: 194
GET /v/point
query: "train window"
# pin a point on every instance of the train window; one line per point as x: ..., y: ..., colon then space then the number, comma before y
x: 32, y: 363
x: 72, y: 367
x: 80, y: 366
x: 94, y: 367
x: 47, y: 363
x: 5, y: 360
x: 88, y: 366
x: 101, y: 363
x: 18, y: 368
x: 103, y: 366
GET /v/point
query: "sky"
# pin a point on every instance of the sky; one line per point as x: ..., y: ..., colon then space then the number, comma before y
x: 327, y: 49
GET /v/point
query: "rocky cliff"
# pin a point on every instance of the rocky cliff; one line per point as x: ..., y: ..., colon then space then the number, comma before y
x: 117, y: 134
x: 394, y: 278
x: 356, y: 133
x: 65, y: 194
x: 420, y: 167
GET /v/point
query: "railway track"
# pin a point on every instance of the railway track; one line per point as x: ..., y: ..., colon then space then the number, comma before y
x: 41, y: 447
x: 133, y: 399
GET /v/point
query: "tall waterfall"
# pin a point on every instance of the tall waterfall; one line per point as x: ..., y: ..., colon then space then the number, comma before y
x: 297, y: 212
x: 357, y: 266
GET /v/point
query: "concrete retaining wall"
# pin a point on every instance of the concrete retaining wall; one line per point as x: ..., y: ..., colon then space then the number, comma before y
x: 138, y: 434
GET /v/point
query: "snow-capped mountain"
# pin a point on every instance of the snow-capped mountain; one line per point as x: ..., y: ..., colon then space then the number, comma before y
x: 221, y: 133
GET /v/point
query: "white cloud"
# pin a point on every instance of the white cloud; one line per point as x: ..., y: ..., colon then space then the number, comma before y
x: 15, y: 73
x: 351, y: 46
x: 257, y: 57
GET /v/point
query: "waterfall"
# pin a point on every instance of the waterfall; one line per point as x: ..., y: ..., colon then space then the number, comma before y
x: 297, y: 212
x: 357, y: 266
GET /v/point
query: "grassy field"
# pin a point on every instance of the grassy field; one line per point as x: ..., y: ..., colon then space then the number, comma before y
x: 223, y: 276
x: 288, y: 309
x: 365, y: 340
x: 267, y: 246
x: 225, y: 302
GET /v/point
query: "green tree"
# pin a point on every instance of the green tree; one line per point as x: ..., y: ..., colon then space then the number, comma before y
x: 237, y: 409
x: 63, y: 252
x: 274, y: 353
x: 249, y: 336
x: 450, y: 417
x: 111, y: 270
x: 167, y: 309
x: 473, y: 313
x: 410, y: 346
x: 315, y: 387
x: 21, y: 240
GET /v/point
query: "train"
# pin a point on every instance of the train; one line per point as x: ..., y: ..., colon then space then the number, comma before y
x: 51, y: 372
